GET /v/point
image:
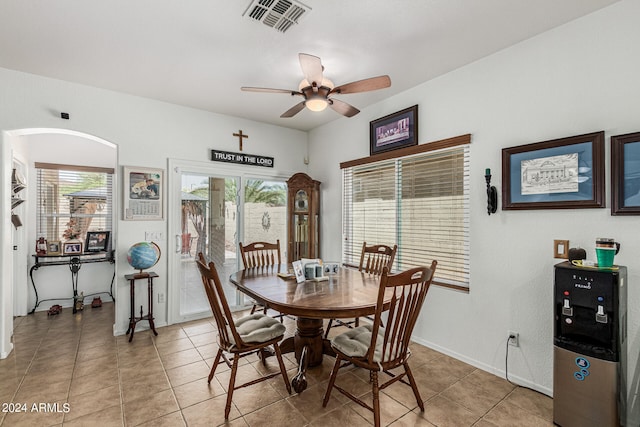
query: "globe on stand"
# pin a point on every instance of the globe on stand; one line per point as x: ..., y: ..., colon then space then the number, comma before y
x: 143, y: 255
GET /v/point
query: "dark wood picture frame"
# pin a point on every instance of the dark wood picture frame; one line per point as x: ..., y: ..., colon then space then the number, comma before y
x: 625, y: 174
x: 394, y: 131
x: 571, y: 169
x: 97, y: 241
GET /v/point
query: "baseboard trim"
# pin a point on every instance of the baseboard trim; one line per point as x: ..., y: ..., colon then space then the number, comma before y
x: 140, y: 327
x: 488, y: 368
x: 5, y: 354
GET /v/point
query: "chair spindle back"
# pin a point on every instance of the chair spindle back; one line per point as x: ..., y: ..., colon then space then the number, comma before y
x: 218, y: 302
x: 409, y: 290
x: 375, y: 258
x: 260, y: 254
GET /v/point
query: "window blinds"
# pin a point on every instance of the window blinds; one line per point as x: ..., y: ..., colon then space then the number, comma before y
x: 420, y: 203
x: 72, y: 200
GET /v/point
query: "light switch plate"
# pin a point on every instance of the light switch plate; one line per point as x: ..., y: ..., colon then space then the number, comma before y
x: 153, y: 236
x: 561, y: 249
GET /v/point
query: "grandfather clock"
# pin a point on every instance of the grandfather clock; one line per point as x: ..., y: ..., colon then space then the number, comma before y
x: 303, y: 216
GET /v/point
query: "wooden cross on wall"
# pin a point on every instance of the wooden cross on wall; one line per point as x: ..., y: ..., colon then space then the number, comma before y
x: 240, y: 136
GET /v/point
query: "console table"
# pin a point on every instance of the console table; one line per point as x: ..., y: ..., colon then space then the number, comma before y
x: 74, y: 262
x: 133, y: 319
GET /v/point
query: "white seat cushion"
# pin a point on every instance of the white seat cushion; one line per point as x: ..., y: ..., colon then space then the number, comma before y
x: 355, y: 342
x: 259, y: 327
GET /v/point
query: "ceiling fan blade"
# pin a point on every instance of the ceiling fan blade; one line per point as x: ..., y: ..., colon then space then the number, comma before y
x: 373, y: 83
x: 293, y: 110
x: 311, y: 68
x: 343, y: 108
x: 269, y: 90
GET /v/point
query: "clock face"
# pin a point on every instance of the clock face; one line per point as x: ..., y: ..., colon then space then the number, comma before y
x: 301, y: 202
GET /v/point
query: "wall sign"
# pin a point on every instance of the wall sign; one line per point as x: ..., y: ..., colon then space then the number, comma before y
x: 241, y: 158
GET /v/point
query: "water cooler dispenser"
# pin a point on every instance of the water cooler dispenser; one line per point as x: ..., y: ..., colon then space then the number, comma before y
x: 590, y: 346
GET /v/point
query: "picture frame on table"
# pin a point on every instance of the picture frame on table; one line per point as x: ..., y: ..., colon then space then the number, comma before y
x: 97, y: 241
x: 625, y: 174
x: 143, y: 193
x: 397, y: 130
x: 298, y: 270
x: 72, y: 248
x: 565, y: 173
x: 53, y: 248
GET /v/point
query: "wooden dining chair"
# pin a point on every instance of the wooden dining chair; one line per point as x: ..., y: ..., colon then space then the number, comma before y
x: 247, y: 335
x: 260, y: 254
x: 372, y: 260
x: 381, y: 349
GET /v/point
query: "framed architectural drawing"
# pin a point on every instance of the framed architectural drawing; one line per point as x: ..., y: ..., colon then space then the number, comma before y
x: 625, y: 174
x: 566, y: 173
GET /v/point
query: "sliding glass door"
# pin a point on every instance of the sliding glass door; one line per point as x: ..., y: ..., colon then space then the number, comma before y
x: 208, y: 223
x: 211, y: 212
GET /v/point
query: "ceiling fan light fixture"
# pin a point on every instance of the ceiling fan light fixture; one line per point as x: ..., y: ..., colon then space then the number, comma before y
x: 316, y: 104
x: 325, y: 83
x: 317, y: 90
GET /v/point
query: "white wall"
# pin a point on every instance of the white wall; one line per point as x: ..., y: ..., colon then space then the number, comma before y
x: 577, y: 79
x: 146, y: 133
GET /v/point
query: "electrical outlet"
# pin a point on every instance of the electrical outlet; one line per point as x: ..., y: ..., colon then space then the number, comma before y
x: 514, y: 339
x: 160, y: 298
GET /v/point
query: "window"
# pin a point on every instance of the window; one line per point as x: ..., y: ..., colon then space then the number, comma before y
x: 73, y: 200
x: 419, y: 202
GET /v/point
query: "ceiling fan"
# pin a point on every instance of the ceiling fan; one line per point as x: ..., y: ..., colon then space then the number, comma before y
x: 318, y: 91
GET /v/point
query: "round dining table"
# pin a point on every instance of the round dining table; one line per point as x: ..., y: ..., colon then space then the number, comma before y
x: 346, y: 294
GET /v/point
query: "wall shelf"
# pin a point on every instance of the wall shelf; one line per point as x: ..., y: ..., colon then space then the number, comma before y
x: 17, y: 185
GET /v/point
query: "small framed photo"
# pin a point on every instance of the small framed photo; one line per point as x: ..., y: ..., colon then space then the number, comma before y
x: 299, y: 271
x: 72, y: 248
x: 143, y: 193
x: 331, y: 268
x: 53, y: 248
x: 625, y: 174
x: 397, y: 130
x: 97, y: 241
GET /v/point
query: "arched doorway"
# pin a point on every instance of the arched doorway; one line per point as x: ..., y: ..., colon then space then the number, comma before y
x: 22, y: 148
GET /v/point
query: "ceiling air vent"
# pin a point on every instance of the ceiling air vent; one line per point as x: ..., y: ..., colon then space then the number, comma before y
x: 277, y: 14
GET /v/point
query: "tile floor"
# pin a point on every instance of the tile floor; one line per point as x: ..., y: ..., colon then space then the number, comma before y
x: 74, y: 361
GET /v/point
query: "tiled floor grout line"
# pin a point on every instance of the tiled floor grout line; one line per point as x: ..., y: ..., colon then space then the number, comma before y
x: 28, y: 368
x: 49, y: 334
x: 120, y: 382
x: 166, y: 374
x: 73, y: 368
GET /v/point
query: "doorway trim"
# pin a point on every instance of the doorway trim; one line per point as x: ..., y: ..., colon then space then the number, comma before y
x: 175, y: 169
x: 7, y: 254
